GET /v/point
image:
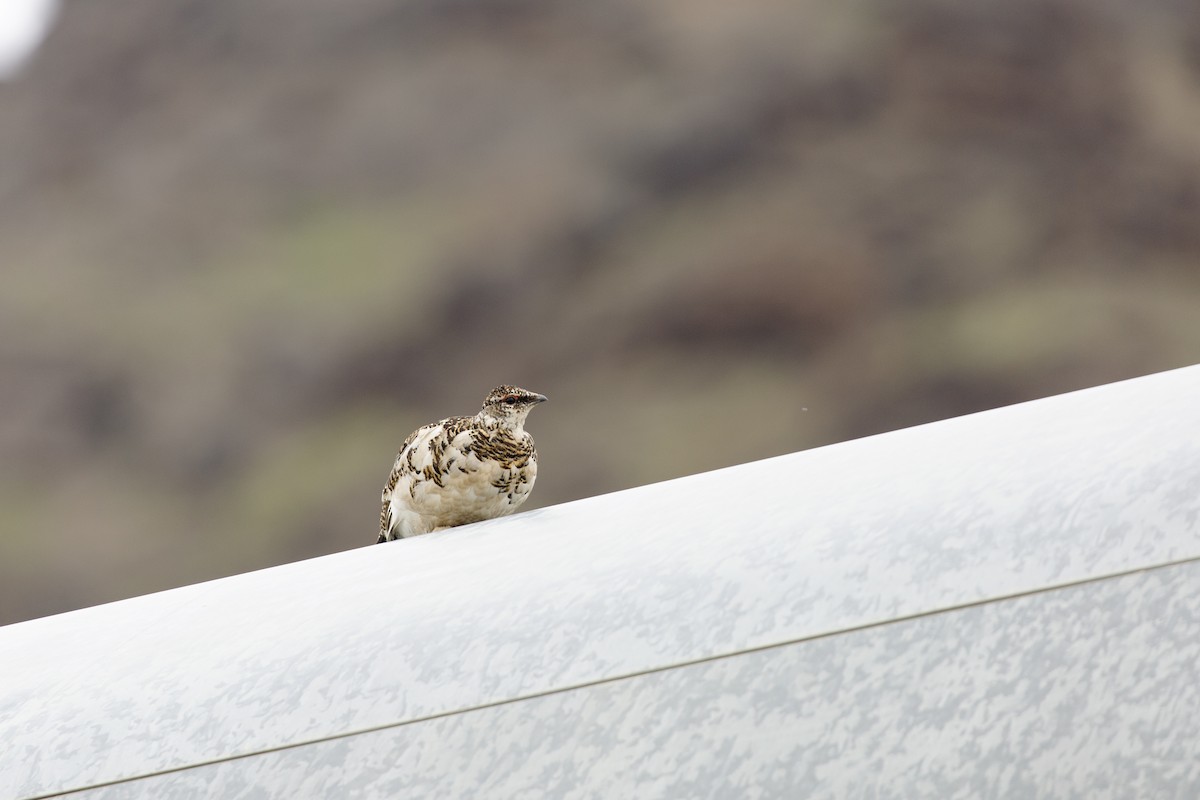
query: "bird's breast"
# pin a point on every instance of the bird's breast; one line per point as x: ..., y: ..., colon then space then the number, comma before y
x: 467, y: 479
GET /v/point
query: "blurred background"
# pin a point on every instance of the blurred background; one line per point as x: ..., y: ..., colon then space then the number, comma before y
x: 248, y: 246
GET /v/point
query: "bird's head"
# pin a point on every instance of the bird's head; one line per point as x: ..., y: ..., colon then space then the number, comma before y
x: 509, y: 405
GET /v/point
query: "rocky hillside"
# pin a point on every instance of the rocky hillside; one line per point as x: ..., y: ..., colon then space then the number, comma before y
x: 249, y: 246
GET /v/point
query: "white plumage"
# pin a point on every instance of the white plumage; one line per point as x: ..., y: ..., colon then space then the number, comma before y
x: 462, y: 469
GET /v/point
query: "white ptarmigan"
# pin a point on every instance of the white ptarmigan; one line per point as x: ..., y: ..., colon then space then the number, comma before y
x: 462, y: 469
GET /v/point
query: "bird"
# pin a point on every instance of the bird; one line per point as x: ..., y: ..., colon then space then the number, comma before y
x: 462, y: 469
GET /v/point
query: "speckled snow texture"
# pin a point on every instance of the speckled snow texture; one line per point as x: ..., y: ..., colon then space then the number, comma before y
x: 979, y: 507
x: 1087, y: 692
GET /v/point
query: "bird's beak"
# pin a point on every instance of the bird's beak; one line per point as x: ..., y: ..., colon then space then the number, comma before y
x: 540, y: 398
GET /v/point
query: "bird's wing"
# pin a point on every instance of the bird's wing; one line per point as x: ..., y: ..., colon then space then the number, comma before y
x: 421, y: 458
x: 400, y: 467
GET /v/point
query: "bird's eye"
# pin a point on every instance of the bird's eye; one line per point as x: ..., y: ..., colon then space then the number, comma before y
x: 510, y: 400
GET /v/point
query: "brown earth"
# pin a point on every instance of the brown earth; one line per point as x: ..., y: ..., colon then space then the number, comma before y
x: 249, y: 246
